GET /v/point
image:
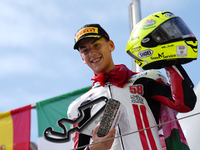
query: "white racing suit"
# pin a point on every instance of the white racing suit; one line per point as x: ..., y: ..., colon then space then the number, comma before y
x: 140, y: 99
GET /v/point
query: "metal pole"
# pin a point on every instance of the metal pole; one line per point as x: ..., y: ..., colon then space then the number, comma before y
x: 134, y: 18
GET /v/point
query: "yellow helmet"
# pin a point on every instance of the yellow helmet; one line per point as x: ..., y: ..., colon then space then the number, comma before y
x: 162, y: 39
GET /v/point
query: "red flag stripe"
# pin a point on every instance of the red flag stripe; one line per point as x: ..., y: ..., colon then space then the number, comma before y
x: 21, y: 128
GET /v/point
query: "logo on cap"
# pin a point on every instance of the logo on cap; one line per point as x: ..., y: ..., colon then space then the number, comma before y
x: 86, y: 31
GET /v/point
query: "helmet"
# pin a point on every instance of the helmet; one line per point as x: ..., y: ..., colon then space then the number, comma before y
x: 162, y: 39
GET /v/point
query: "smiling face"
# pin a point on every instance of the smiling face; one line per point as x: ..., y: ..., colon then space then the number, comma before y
x: 96, y: 53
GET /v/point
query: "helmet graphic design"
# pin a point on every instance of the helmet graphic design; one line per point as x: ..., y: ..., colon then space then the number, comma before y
x: 162, y: 39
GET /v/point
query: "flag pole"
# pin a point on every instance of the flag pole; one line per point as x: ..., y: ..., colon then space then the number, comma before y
x: 134, y: 18
x: 33, y: 105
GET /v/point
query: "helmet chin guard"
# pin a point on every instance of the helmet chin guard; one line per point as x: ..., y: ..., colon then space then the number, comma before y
x: 162, y: 39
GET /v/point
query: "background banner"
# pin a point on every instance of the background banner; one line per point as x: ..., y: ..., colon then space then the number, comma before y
x: 15, y: 129
x: 49, y: 112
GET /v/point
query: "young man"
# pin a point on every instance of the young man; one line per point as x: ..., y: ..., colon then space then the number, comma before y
x: 141, y: 95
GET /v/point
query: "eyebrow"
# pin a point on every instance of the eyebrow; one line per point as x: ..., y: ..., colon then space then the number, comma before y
x: 91, y: 43
x: 95, y: 40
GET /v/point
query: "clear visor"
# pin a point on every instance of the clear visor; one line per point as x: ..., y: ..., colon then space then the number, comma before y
x: 172, y: 29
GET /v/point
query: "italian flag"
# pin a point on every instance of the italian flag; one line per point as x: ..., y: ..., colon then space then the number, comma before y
x: 15, y: 129
x: 49, y: 112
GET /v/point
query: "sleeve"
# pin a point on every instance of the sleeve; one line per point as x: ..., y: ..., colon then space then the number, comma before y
x: 82, y: 139
x: 178, y: 95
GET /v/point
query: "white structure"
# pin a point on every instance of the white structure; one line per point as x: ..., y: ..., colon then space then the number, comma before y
x: 190, y: 126
x: 134, y: 18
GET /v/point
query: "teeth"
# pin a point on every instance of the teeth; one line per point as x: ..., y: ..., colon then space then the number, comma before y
x: 96, y: 60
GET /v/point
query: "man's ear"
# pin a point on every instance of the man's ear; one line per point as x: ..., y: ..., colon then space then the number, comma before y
x: 111, y: 45
x: 83, y: 59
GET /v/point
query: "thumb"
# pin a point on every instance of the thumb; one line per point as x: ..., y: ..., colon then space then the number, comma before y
x: 95, y: 129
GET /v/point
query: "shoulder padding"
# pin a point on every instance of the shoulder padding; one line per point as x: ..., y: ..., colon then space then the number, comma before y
x: 152, y: 74
x: 73, y: 107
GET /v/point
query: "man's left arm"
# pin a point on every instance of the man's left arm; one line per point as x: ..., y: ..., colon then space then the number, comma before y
x: 178, y: 95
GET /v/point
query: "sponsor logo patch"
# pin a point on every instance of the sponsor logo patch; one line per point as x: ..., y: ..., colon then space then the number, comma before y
x: 134, y: 38
x: 163, y: 56
x: 167, y: 46
x: 181, y: 51
x: 135, y: 49
x: 149, y: 24
x: 169, y: 15
x: 136, y: 99
x: 145, y: 53
x: 85, y: 31
x: 145, y: 40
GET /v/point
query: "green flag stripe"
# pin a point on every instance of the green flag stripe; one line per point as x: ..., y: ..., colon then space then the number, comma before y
x: 173, y: 142
x: 51, y: 110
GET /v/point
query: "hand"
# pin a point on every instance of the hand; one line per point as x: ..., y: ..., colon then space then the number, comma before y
x: 104, y: 145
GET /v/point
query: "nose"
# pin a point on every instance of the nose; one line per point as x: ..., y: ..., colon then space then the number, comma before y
x: 91, y: 52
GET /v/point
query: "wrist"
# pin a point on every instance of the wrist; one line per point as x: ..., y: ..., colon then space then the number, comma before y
x: 92, y: 147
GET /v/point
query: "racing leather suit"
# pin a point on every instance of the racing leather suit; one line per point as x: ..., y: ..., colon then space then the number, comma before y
x: 141, y: 98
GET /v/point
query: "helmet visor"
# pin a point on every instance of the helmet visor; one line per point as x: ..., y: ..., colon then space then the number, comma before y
x: 170, y: 30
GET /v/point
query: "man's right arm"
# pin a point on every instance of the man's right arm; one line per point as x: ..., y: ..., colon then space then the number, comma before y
x: 81, y: 139
x: 102, y: 145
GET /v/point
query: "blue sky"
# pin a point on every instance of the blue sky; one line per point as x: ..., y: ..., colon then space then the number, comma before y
x: 37, y: 60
